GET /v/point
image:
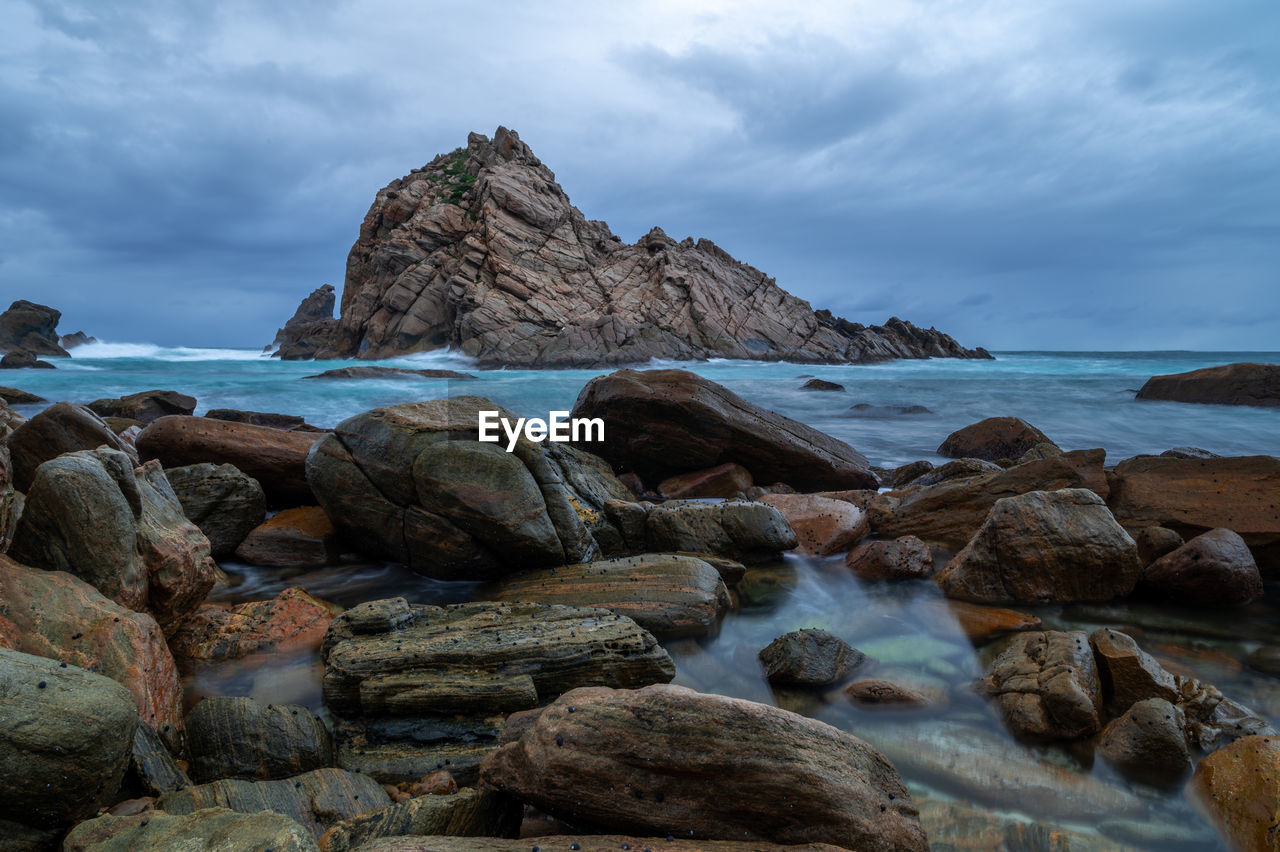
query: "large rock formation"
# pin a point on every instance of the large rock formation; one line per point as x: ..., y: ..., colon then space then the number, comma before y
x: 1229, y: 384
x: 481, y: 250
x: 313, y: 319
x: 28, y: 327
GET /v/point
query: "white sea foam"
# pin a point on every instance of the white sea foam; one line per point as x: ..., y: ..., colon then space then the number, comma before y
x: 91, y: 351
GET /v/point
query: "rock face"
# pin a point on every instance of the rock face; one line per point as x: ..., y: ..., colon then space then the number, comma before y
x: 60, y: 428
x: 224, y: 503
x: 64, y: 744
x: 274, y: 457
x: 315, y: 314
x: 645, y: 760
x: 316, y: 799
x: 1045, y: 547
x: 33, y: 328
x: 1213, y: 569
x: 241, y: 738
x: 146, y: 406
x: 119, y: 528
x: 55, y: 615
x: 949, y: 513
x: 413, y: 483
x: 415, y: 686
x: 466, y: 813
x: 1230, y: 384
x: 481, y: 250
x: 992, y: 439
x: 210, y: 828
x: 670, y: 596
x: 664, y: 422
x: 1192, y: 496
x: 809, y: 658
x: 1047, y: 687
x: 1238, y: 788
x: 291, y: 621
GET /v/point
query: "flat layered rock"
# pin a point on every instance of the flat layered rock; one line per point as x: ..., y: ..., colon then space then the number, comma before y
x: 646, y: 760
x: 949, y: 513
x: 209, y: 828
x: 315, y: 800
x: 1229, y: 384
x: 275, y: 458
x: 664, y: 422
x: 670, y: 596
x: 1045, y: 547
x: 1193, y: 496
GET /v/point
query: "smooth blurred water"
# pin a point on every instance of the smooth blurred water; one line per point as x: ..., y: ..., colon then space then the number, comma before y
x: 1079, y: 399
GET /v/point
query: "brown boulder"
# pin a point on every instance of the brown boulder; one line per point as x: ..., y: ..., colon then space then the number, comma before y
x: 949, y: 513
x: 726, y: 480
x: 664, y: 422
x: 277, y: 459
x: 992, y: 439
x: 1192, y: 496
x: 1045, y: 547
x: 301, y: 536
x: 904, y: 558
x: 645, y: 760
x: 1212, y: 569
x: 144, y: 407
x: 13, y: 396
x: 292, y: 621
x: 670, y: 596
x: 224, y: 503
x: 1154, y: 542
x: 1148, y: 744
x: 53, y: 614
x: 1047, y: 687
x: 60, y: 428
x: 809, y: 658
x: 822, y: 525
x: 1229, y: 384
x: 287, y: 422
x: 1238, y: 789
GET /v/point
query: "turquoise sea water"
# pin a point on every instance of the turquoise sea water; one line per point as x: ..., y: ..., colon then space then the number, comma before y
x: 1079, y: 399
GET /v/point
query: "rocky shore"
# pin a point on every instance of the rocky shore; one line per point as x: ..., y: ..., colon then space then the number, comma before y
x: 570, y: 700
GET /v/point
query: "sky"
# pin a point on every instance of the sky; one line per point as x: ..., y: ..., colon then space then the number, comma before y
x: 1060, y: 174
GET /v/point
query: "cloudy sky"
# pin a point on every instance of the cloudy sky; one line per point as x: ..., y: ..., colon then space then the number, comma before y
x: 1083, y: 174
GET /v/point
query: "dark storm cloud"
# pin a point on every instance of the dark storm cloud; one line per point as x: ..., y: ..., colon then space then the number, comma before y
x: 1077, y: 175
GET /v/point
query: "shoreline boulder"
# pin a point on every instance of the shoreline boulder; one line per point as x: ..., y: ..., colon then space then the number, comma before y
x: 1212, y: 569
x: 1228, y: 384
x: 993, y: 439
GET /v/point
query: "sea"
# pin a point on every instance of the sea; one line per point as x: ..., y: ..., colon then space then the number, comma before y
x: 955, y: 753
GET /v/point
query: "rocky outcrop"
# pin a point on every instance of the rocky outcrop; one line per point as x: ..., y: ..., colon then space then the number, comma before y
x: 466, y: 813
x: 209, y: 828
x: 315, y: 799
x: 60, y: 428
x: 224, y: 503
x: 949, y: 513
x: 53, y: 614
x: 241, y: 738
x: 1212, y: 569
x: 1229, y: 384
x: 28, y: 327
x: 664, y: 422
x: 670, y: 596
x: 415, y: 686
x: 1192, y: 496
x: 65, y: 743
x: 74, y: 339
x: 145, y: 406
x: 646, y: 760
x: 1238, y: 789
x: 119, y: 528
x: 275, y: 458
x: 993, y: 439
x: 480, y: 250
x: 20, y: 359
x: 291, y: 622
x: 1046, y: 686
x: 1045, y: 547
x: 312, y: 319
x: 809, y: 658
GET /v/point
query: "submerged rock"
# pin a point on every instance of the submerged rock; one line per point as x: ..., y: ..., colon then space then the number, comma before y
x: 208, y: 828
x: 1229, y: 384
x: 364, y: 372
x: 821, y: 385
x: 809, y: 658
x: 1045, y: 547
x: 664, y: 422
x: 980, y: 623
x: 650, y: 759
x: 671, y: 596
x: 993, y: 439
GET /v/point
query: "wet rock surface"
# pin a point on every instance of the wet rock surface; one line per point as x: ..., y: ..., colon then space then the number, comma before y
x: 1238, y: 788
x: 822, y: 525
x: 1229, y: 384
x: 302, y: 536
x: 1149, y: 744
x: 809, y: 658
x: 903, y: 558
x: 992, y: 439
x: 241, y: 738
x: 666, y: 422
x: 208, y: 828
x: 292, y: 621
x: 1046, y: 686
x: 387, y: 373
x: 716, y: 766
x: 1212, y: 569
x: 223, y: 502
x: 144, y: 407
x: 465, y: 813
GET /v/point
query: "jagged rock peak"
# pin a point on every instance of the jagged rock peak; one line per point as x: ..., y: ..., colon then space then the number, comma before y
x: 481, y: 250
